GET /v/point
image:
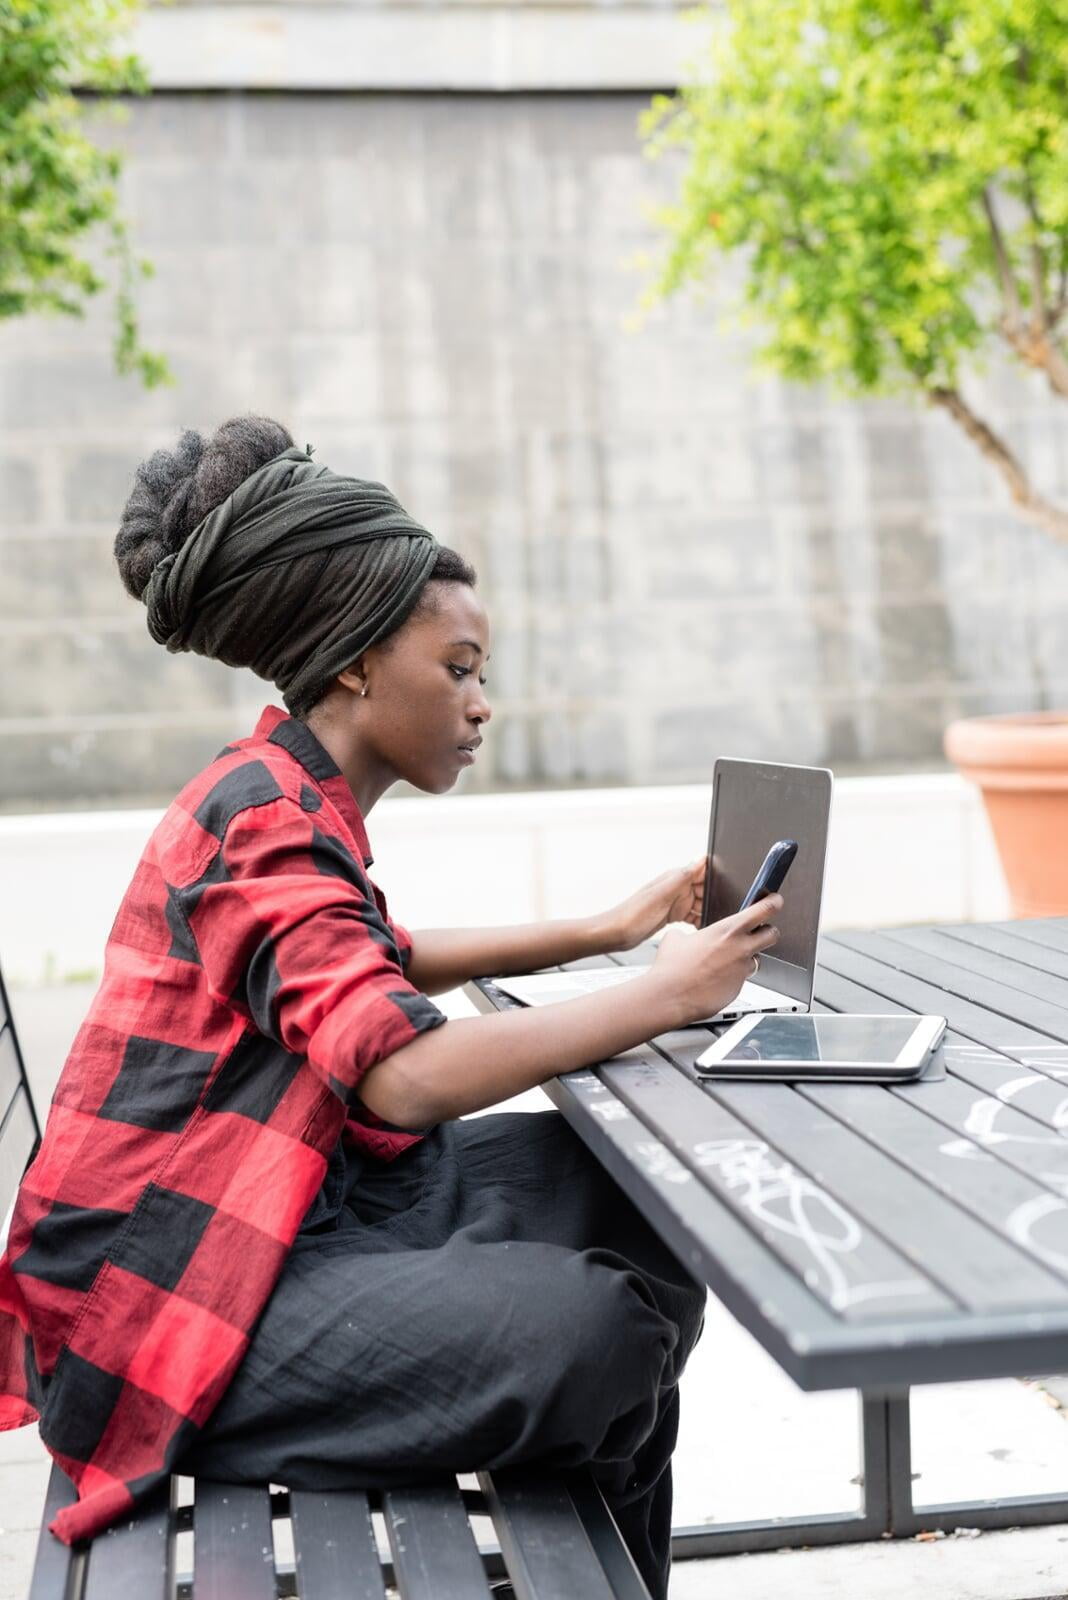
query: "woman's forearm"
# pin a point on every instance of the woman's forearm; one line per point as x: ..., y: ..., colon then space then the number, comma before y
x: 477, y: 1062
x: 445, y: 958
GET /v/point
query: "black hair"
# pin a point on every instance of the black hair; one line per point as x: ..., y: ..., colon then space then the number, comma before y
x: 174, y: 490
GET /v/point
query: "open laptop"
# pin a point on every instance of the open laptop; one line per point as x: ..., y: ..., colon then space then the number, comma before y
x: 754, y: 803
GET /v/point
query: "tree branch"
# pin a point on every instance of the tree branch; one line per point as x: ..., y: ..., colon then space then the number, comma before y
x: 1033, y: 507
x: 1010, y: 294
x: 1040, y: 315
x: 1033, y: 339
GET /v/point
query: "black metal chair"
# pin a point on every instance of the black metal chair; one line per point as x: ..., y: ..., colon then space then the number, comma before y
x: 550, y: 1536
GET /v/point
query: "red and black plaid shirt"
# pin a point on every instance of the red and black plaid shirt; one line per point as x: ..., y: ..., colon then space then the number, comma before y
x: 252, y: 977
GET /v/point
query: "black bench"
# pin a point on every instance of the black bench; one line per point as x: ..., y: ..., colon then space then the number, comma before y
x: 550, y: 1536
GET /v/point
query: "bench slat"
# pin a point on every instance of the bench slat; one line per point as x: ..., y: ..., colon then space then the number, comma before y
x: 334, y: 1541
x: 617, y: 1561
x: 52, y: 1564
x: 435, y: 1556
x: 10, y: 1076
x: 233, y: 1552
x: 17, y: 1136
x: 132, y: 1559
x: 545, y: 1547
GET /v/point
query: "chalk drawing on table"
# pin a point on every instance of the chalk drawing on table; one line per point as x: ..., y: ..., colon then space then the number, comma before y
x: 982, y: 1135
x: 610, y: 1110
x: 659, y: 1162
x: 980, y: 1122
x: 963, y: 1150
x: 1022, y: 1222
x: 787, y: 1202
x: 965, y: 1056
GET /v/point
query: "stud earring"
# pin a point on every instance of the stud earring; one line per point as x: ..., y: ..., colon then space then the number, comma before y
x: 363, y: 692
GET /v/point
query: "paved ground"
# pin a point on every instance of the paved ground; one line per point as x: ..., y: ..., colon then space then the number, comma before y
x: 751, y: 1445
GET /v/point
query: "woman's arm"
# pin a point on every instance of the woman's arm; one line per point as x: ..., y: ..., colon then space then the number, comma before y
x: 476, y: 1062
x: 445, y: 958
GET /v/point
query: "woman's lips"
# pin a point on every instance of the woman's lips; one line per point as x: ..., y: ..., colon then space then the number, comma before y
x: 467, y: 751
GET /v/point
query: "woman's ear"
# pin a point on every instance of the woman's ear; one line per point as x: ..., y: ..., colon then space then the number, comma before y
x: 354, y: 678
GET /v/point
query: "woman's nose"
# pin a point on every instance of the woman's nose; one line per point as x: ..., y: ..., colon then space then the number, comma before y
x: 480, y: 710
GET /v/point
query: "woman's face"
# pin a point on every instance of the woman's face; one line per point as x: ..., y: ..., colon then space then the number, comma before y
x: 426, y: 703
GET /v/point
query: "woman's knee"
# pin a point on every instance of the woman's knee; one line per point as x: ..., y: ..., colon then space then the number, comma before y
x: 599, y: 1360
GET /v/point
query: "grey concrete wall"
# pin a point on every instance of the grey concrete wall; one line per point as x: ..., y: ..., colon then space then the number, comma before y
x: 680, y: 559
x: 415, y: 44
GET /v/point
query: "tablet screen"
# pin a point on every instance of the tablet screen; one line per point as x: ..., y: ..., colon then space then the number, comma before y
x: 829, y: 1039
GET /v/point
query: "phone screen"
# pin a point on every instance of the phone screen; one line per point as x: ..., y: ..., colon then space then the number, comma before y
x: 827, y: 1040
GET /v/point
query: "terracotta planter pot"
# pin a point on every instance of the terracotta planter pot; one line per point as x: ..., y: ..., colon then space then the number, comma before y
x: 1021, y: 765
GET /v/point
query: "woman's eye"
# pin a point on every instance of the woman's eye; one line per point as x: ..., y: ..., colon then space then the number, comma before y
x: 465, y: 672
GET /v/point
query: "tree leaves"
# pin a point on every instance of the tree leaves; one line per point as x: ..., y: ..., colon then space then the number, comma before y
x: 845, y: 148
x: 57, y: 187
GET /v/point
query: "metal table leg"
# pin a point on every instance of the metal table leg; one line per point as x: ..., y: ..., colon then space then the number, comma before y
x: 888, y: 1508
x: 871, y: 1521
x: 1017, y: 1511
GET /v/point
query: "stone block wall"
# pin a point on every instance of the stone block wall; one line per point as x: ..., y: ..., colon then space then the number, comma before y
x: 681, y: 559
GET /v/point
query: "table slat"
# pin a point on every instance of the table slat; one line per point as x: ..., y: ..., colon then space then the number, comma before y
x: 334, y: 1544
x: 704, y: 1231
x: 1000, y: 969
x: 1010, y: 945
x: 835, y: 1254
x: 963, y: 1016
x: 435, y: 1556
x: 969, y: 1261
x: 1039, y: 1096
x: 998, y: 998
x: 1050, y: 932
x: 818, y: 1348
x: 1004, y: 1197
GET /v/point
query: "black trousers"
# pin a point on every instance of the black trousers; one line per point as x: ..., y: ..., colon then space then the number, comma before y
x: 488, y: 1299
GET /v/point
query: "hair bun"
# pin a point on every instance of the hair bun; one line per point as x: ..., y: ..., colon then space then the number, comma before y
x: 175, y: 489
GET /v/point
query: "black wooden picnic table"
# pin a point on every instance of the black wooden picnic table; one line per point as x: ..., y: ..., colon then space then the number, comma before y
x: 870, y: 1238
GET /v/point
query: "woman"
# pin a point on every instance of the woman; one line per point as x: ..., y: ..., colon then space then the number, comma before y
x: 257, y: 1242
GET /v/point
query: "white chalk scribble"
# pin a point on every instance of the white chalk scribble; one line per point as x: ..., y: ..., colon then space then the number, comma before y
x: 785, y: 1201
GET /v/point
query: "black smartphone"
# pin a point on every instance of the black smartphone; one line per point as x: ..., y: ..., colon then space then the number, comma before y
x: 769, y: 879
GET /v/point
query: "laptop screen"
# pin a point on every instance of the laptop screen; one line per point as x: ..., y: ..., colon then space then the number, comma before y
x: 754, y: 804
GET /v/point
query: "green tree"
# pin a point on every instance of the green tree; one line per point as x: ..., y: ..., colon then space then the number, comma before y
x: 895, y: 175
x: 57, y: 186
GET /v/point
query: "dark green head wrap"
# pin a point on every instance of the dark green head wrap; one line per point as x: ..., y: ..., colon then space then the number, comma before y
x: 295, y: 574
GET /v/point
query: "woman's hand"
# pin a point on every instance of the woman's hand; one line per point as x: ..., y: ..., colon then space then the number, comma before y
x: 675, y: 896
x: 701, y: 973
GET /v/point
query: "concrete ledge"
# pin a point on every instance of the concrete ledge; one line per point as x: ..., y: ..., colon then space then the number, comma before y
x: 903, y: 849
x: 471, y: 48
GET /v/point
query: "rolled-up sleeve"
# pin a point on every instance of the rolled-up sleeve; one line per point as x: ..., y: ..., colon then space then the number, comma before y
x: 289, y: 931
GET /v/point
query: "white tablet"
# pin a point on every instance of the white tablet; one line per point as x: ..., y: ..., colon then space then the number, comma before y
x: 824, y: 1048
